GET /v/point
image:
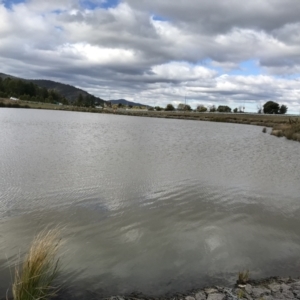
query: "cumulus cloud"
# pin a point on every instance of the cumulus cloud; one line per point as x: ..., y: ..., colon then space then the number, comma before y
x: 159, y: 51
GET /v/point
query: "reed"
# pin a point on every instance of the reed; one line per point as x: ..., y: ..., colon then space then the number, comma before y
x: 34, y: 280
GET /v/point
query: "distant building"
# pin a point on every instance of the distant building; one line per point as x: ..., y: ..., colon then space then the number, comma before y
x: 14, y: 99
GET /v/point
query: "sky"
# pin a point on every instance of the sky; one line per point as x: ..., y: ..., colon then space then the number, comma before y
x: 157, y: 52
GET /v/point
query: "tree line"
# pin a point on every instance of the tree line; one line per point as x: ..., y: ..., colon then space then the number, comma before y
x: 24, y: 90
x: 86, y: 101
x: 269, y: 107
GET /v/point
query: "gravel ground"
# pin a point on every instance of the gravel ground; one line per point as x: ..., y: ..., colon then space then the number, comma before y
x: 267, y: 289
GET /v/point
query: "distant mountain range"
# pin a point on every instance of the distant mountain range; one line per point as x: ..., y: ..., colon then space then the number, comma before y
x: 68, y: 91
x: 126, y: 102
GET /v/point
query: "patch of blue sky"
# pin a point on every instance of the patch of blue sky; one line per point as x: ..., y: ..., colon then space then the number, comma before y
x: 159, y: 18
x: 94, y: 4
x: 58, y: 11
x: 288, y: 76
x: 208, y: 64
x: 10, y: 3
x: 248, y: 67
x: 59, y: 28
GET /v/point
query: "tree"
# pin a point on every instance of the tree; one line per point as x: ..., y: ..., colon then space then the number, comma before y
x: 271, y: 108
x: 224, y: 108
x: 157, y: 108
x: 180, y: 106
x: 283, y: 109
x: 64, y: 101
x: 201, y: 108
x: 235, y: 110
x: 184, y: 107
x: 169, y: 107
x: 79, y: 101
x: 212, y: 109
x: 259, y: 108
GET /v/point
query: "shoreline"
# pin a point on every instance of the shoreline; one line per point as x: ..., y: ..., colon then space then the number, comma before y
x: 282, y: 125
x: 271, y: 288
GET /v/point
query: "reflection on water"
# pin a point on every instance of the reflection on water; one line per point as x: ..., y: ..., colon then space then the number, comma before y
x: 148, y: 204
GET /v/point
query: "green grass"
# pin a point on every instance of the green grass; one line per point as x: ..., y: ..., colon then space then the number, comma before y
x: 35, y: 279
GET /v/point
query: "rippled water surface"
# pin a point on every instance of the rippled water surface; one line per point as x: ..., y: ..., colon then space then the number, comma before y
x: 153, y: 205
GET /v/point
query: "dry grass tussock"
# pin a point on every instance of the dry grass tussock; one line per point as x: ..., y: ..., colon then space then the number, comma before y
x: 243, y: 277
x: 290, y: 131
x: 34, y: 281
x: 293, y: 133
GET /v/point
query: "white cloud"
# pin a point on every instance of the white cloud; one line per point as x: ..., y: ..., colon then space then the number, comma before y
x: 97, y: 55
x: 182, y: 72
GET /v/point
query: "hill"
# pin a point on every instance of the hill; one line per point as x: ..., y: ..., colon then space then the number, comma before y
x: 126, y: 102
x: 70, y: 92
x: 66, y: 90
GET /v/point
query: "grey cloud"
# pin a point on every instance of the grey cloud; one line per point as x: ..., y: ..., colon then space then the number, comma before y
x: 222, y: 16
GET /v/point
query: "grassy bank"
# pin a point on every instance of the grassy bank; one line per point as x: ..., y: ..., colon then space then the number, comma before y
x: 282, y: 125
x: 40, y: 105
x: 291, y: 131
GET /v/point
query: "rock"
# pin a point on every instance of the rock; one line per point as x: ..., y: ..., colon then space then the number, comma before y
x: 288, y: 294
x: 189, y: 298
x: 248, y: 288
x: 268, y: 298
x: 258, y: 292
x: 247, y: 296
x: 216, y: 296
x: 210, y: 291
x: 274, y: 287
x: 229, y: 294
x: 285, y: 287
x: 296, y: 285
x: 297, y: 293
x: 200, y: 296
x: 278, y: 295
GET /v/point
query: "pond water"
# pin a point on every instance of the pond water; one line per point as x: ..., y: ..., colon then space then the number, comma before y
x: 150, y: 205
